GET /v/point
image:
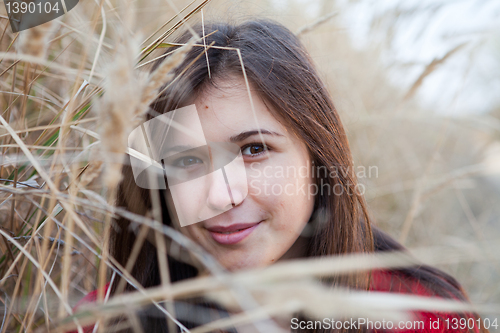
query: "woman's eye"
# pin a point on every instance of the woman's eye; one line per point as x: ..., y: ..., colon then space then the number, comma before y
x: 254, y: 149
x: 188, y: 161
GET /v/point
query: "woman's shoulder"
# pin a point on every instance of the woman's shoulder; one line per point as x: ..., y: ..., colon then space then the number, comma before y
x: 386, y: 280
x: 91, y: 297
x: 402, y: 282
x: 393, y: 281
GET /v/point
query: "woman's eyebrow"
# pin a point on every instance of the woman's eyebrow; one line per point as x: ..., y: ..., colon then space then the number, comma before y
x: 243, y: 135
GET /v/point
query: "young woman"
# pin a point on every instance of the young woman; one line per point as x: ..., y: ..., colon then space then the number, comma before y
x: 289, y: 124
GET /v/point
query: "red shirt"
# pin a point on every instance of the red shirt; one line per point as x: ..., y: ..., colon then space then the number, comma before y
x: 385, y: 281
x: 435, y: 322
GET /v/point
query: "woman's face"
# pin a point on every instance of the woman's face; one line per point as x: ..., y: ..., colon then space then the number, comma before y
x: 263, y: 222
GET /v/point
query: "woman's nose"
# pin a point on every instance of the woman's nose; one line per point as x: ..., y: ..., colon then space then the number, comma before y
x: 225, y: 191
x: 218, y: 197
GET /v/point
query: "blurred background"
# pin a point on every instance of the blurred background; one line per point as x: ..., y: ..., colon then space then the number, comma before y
x: 416, y: 84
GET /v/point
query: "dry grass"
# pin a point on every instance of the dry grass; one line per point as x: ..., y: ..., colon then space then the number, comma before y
x: 71, y: 91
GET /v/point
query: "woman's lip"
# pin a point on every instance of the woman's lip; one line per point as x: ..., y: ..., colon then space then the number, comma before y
x: 232, y: 234
x: 232, y: 227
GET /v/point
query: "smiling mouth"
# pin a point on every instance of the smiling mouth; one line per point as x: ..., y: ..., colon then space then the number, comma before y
x: 233, y: 234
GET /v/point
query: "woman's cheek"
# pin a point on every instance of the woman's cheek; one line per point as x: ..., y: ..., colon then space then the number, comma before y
x: 255, y: 179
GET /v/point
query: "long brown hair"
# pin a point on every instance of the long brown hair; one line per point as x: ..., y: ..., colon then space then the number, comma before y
x: 281, y: 71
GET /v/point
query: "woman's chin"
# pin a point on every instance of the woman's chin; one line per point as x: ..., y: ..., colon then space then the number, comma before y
x: 238, y: 265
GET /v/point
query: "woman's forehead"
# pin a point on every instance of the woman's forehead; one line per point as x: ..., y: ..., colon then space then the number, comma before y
x: 227, y: 109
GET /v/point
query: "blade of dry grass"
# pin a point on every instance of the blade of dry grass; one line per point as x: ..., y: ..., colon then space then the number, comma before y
x: 430, y: 68
x: 46, y: 276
